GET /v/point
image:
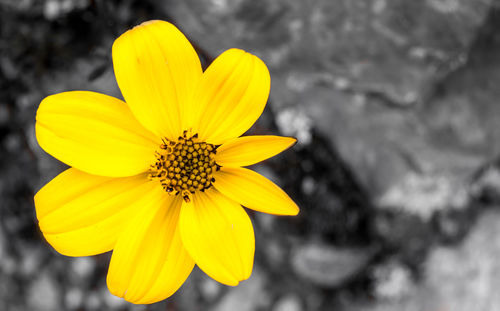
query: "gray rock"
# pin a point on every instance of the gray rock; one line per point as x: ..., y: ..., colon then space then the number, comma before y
x: 355, y: 34
x: 459, y: 278
x: 295, y: 123
x: 467, y: 277
x: 365, y: 74
x: 425, y: 194
x: 392, y: 281
x: 328, y: 266
x: 486, y: 185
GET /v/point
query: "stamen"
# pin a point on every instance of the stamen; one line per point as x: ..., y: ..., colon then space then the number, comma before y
x: 185, y: 166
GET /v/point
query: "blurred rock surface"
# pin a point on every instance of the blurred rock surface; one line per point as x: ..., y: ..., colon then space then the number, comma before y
x: 327, y: 266
x: 459, y: 278
x: 366, y: 72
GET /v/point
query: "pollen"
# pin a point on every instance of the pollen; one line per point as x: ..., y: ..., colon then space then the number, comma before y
x: 184, y: 166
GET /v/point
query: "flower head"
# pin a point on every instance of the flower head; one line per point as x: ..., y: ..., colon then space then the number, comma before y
x: 159, y: 178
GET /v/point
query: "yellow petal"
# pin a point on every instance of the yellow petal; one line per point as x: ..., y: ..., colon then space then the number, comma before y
x: 82, y: 214
x: 218, y: 234
x: 230, y: 97
x: 94, y: 133
x: 254, y: 191
x: 248, y: 150
x: 149, y: 262
x: 156, y: 69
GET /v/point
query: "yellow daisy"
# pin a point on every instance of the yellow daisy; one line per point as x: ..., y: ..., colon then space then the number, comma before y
x: 160, y: 179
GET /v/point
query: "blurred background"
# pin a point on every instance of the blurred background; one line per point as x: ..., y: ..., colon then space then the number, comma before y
x: 396, y: 105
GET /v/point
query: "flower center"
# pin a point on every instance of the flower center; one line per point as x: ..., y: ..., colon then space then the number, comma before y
x: 185, y: 166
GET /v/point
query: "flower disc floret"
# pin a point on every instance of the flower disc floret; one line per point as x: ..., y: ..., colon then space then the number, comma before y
x: 185, y: 166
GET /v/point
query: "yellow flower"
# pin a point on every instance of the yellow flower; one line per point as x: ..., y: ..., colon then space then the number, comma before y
x: 160, y: 179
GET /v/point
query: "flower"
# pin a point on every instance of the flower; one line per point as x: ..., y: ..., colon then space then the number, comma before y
x: 160, y: 179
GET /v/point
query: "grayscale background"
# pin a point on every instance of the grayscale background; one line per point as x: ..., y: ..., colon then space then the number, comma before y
x: 396, y: 105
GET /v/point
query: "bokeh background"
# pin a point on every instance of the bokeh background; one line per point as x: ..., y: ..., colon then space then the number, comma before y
x: 396, y: 105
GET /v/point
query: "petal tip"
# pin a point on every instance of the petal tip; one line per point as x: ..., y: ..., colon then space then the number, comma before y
x: 292, y: 141
x: 232, y: 283
x: 294, y: 209
x: 113, y: 292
